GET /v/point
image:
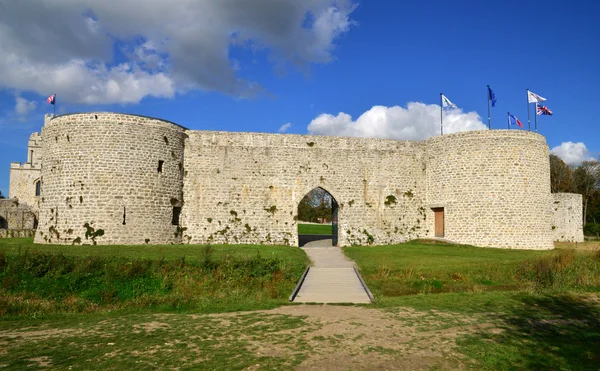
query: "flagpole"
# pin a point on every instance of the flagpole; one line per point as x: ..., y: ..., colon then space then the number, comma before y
x: 528, y: 120
x: 489, y: 116
x: 508, y: 117
x: 54, y: 104
x: 536, y: 115
x: 441, y: 115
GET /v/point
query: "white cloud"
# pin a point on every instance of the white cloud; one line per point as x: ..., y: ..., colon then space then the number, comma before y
x: 24, y: 106
x: 66, y: 46
x: 415, y: 122
x: 285, y: 127
x: 572, y: 153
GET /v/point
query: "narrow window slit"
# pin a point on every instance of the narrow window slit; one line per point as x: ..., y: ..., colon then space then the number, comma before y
x: 160, y: 165
x: 176, y: 213
x: 124, y: 214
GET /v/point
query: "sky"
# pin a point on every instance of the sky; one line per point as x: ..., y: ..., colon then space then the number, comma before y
x: 325, y: 67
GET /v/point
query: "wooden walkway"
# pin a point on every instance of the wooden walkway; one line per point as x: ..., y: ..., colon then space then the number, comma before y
x: 331, y: 278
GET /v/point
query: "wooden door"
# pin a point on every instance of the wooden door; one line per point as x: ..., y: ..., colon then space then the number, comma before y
x: 439, y: 221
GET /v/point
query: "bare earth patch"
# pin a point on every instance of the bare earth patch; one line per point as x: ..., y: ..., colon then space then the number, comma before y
x: 353, y: 337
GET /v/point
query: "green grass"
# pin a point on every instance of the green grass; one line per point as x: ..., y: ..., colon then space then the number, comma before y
x: 42, y: 280
x: 417, y: 267
x: 314, y: 228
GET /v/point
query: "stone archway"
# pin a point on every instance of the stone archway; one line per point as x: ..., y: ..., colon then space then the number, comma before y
x: 3, y: 223
x: 318, y: 218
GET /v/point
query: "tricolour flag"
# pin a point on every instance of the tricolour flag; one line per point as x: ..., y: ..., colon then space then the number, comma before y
x: 491, y: 96
x: 543, y: 110
x: 52, y: 99
x: 534, y: 98
x: 515, y: 121
x: 446, y: 102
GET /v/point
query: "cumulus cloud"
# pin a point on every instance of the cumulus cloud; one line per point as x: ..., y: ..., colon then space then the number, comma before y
x: 163, y: 47
x: 572, y: 153
x: 24, y: 106
x: 415, y: 122
x: 285, y: 127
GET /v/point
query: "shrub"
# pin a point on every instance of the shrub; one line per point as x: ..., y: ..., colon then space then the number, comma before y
x: 591, y: 229
x: 59, y: 283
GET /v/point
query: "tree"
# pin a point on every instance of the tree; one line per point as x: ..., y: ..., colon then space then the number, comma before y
x: 561, y: 176
x: 587, y: 181
x: 316, y: 204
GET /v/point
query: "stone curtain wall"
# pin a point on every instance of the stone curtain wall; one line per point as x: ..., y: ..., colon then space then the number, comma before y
x: 494, y: 186
x: 567, y: 209
x: 245, y: 187
x: 101, y: 167
x: 15, y: 216
x: 24, y: 176
x: 22, y: 183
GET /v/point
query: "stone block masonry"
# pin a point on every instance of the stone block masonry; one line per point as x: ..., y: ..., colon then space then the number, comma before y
x: 119, y: 174
x: 246, y: 187
x: 494, y: 186
x: 567, y: 213
x: 126, y: 179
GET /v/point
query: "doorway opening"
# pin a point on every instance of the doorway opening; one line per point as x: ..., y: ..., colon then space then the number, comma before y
x: 318, y: 219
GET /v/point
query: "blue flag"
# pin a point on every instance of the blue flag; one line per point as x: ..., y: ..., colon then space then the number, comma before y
x: 491, y: 96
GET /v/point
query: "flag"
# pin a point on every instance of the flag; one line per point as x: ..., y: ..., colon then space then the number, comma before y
x: 515, y: 121
x: 52, y: 99
x: 543, y: 110
x: 534, y: 98
x: 446, y: 102
x: 491, y: 96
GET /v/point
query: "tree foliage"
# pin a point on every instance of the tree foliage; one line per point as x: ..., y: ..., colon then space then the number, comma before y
x: 586, y: 178
x: 316, y: 204
x: 561, y: 176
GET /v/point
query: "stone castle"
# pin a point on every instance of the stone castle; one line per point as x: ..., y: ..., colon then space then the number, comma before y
x: 110, y: 178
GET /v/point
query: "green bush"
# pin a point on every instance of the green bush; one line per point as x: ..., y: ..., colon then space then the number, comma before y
x: 591, y: 229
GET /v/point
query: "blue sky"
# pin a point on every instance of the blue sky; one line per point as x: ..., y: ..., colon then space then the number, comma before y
x: 344, y: 68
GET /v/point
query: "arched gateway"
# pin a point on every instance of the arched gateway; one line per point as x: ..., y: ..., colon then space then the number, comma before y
x: 318, y: 217
x: 144, y: 180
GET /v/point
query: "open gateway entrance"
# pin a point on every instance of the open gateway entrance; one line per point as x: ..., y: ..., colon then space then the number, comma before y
x: 318, y: 219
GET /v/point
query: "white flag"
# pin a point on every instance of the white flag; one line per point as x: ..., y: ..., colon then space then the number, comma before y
x: 446, y: 102
x: 534, y: 98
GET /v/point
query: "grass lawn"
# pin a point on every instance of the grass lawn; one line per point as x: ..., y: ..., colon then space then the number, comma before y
x: 314, y: 228
x: 419, y: 267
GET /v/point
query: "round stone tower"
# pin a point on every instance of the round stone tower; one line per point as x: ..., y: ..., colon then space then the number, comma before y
x: 490, y: 188
x: 111, y: 178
